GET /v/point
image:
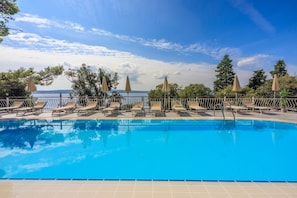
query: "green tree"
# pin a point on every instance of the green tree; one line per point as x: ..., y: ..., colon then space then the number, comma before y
x: 7, y: 9
x: 87, y: 82
x: 257, y: 80
x: 279, y: 69
x: 14, y: 83
x: 225, y: 74
x: 195, y: 90
x: 286, y: 82
x: 158, y: 93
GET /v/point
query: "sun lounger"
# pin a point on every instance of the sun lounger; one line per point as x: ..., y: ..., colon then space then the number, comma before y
x: 90, y: 107
x: 233, y: 107
x: 38, y: 107
x: 113, y: 108
x: 156, y: 107
x: 137, y: 108
x: 194, y: 106
x: 69, y: 107
x: 252, y: 106
x: 178, y: 108
x: 15, y: 105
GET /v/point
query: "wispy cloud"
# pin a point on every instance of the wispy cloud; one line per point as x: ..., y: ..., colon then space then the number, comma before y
x: 248, y: 9
x: 161, y: 44
x: 46, y: 23
x: 256, y: 61
x: 34, y: 41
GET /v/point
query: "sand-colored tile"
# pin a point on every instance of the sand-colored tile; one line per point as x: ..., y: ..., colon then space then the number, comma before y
x: 161, y: 188
x: 66, y: 194
x: 143, y: 187
x: 214, y: 188
x: 162, y: 195
x: 125, y: 187
x: 118, y: 194
x: 197, y: 188
x: 238, y: 195
x: 200, y: 195
x: 86, y: 194
x: 6, y: 194
x: 143, y: 194
x: 181, y: 195
x: 105, y: 194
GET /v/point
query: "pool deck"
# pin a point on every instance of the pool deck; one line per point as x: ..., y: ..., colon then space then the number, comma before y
x: 150, y: 189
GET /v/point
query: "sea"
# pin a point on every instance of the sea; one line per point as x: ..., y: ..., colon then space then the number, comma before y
x: 66, y: 93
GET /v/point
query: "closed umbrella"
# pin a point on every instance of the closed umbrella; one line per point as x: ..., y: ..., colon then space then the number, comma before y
x: 31, y: 88
x: 236, y: 86
x: 128, y: 87
x: 275, y: 87
x: 104, y: 87
x: 165, y: 89
x: 31, y: 85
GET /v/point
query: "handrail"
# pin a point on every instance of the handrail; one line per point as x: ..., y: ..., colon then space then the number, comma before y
x: 221, y: 108
x: 228, y: 104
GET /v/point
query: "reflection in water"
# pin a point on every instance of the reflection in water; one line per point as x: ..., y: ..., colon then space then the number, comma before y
x: 226, y: 130
x: 22, y: 134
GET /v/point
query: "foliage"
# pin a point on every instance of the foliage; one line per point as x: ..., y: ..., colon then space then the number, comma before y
x: 265, y: 91
x: 8, y: 8
x: 226, y: 92
x: 158, y: 93
x: 225, y: 74
x: 284, y: 97
x: 86, y: 82
x: 195, y: 90
x: 279, y: 69
x: 46, y: 76
x: 286, y: 82
x: 289, y: 83
x: 257, y: 80
x: 14, y: 83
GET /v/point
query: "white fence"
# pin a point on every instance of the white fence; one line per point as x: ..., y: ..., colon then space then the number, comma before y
x: 126, y: 102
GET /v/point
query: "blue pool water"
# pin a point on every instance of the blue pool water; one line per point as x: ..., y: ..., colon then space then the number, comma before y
x: 241, y: 150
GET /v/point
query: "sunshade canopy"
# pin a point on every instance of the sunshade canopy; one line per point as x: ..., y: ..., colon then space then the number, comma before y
x: 104, y: 87
x: 128, y: 86
x: 166, y: 87
x: 275, y: 83
x: 31, y: 85
x: 236, y: 85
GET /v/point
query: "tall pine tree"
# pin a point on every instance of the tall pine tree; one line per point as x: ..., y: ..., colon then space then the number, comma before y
x: 225, y: 74
x: 257, y: 80
x: 279, y: 69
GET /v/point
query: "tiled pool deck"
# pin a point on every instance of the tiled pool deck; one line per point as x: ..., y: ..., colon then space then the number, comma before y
x: 151, y: 189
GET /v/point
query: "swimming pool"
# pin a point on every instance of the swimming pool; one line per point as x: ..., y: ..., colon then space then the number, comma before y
x: 241, y: 150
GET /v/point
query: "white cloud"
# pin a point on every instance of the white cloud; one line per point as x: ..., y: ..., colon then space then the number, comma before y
x: 40, y: 22
x: 144, y: 73
x: 47, y: 23
x: 258, y: 60
x: 161, y: 44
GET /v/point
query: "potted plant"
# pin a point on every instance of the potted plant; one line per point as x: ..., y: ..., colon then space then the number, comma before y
x: 284, y: 99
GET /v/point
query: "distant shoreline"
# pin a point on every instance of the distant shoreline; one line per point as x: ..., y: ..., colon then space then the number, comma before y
x: 68, y: 91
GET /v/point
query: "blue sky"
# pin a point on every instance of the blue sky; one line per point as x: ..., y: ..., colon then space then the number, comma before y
x: 150, y: 39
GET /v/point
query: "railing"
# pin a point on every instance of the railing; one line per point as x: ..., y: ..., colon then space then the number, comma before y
x: 126, y: 102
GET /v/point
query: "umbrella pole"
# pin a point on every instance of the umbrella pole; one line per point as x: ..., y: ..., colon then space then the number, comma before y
x: 274, y: 94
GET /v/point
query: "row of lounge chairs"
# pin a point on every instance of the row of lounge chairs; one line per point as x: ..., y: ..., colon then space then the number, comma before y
x: 17, y: 107
x: 137, y: 108
x: 246, y: 106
